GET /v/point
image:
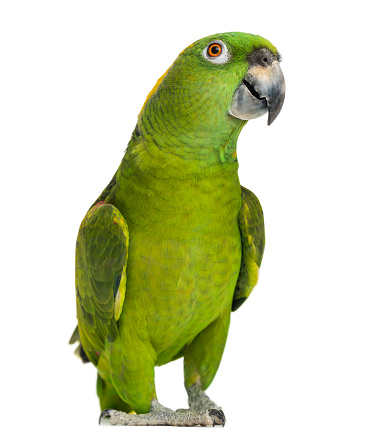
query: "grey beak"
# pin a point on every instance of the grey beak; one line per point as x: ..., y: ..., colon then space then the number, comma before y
x: 262, y: 91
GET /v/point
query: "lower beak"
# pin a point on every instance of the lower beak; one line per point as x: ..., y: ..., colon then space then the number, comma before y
x: 262, y: 91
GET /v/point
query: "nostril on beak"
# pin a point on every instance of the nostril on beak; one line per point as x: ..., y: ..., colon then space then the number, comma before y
x: 262, y: 58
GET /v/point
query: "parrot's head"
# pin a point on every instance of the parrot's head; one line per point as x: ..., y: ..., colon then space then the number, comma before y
x: 215, y: 86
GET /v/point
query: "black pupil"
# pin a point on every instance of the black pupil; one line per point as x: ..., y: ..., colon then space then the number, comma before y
x: 214, y: 50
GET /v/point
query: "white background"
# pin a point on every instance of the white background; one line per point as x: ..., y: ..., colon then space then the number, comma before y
x: 308, y: 355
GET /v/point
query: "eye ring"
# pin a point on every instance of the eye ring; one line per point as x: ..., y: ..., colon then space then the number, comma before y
x: 216, y: 52
x: 214, y: 49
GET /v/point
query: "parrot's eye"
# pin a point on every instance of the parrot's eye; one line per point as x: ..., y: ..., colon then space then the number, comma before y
x: 216, y: 52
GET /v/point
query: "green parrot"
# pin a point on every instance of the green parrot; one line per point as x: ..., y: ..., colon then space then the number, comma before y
x: 174, y: 243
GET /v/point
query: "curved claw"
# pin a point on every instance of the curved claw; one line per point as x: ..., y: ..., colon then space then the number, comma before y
x: 218, y: 416
x: 105, y: 413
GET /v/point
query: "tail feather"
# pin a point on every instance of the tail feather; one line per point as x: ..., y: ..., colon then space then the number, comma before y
x: 80, y: 353
x: 75, y: 336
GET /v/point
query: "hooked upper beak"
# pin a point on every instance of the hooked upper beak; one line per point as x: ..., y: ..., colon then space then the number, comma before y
x: 262, y: 91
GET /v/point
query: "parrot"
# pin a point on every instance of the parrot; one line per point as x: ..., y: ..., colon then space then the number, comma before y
x: 173, y: 245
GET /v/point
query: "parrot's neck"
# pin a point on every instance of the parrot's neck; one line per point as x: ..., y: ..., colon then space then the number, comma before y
x: 180, y: 167
x: 162, y: 158
x: 194, y: 130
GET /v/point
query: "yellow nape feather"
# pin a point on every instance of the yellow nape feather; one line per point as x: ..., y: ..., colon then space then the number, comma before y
x: 159, y: 81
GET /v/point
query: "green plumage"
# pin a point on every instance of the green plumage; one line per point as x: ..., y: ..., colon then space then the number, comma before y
x: 176, y: 243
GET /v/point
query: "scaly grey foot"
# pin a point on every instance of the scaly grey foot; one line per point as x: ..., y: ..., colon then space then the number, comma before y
x: 162, y: 416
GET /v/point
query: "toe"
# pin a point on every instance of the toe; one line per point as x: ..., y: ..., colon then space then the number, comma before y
x: 217, y: 416
x: 105, y: 413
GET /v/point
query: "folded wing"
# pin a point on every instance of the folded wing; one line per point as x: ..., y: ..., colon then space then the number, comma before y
x: 101, y: 258
x: 252, y: 231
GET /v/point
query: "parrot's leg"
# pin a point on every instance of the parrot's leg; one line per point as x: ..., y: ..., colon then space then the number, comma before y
x: 162, y: 416
x: 109, y: 397
x: 133, y: 374
x: 132, y: 368
x: 202, y: 359
x: 198, y: 400
x: 107, y: 393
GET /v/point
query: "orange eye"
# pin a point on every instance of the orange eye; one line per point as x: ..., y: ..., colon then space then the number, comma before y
x: 214, y: 50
